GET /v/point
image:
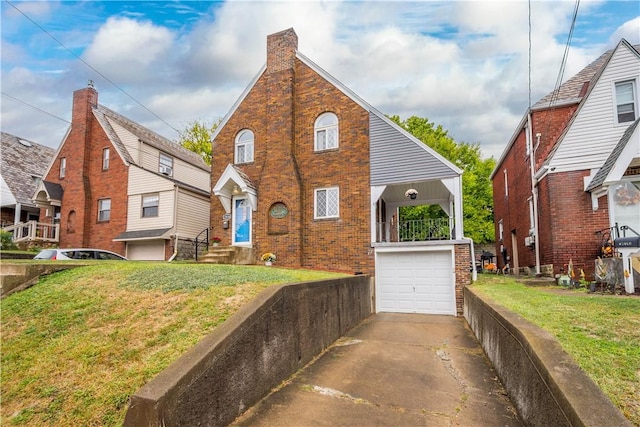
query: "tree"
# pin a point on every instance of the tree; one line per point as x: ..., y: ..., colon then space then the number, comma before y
x: 197, y: 137
x: 477, y: 191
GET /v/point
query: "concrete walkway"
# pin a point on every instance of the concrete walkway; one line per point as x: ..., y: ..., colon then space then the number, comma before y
x: 393, y: 370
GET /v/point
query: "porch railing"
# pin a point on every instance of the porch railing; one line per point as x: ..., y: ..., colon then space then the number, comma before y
x: 415, y: 230
x: 34, y: 231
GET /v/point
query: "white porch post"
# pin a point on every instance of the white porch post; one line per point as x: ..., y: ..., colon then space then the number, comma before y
x: 376, y: 193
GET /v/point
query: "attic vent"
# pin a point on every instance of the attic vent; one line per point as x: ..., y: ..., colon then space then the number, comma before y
x: 24, y: 142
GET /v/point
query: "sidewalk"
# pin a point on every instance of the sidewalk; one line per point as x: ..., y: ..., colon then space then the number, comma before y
x: 393, y: 370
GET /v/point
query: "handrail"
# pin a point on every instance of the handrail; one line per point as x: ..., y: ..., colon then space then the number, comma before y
x: 34, y: 231
x: 415, y: 230
x: 199, y: 240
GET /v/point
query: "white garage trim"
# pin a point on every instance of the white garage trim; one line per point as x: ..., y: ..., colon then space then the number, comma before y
x: 151, y: 250
x: 416, y: 280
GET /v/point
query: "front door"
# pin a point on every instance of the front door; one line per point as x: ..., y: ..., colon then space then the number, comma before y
x: 241, y: 221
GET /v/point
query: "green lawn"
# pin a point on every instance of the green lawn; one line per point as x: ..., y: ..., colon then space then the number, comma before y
x: 80, y: 342
x: 601, y: 332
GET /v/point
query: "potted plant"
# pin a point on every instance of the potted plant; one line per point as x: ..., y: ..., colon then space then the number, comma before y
x: 215, y: 240
x: 268, y: 258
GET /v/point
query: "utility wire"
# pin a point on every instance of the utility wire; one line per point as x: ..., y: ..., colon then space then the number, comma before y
x: 556, y: 91
x: 35, y: 108
x: 89, y: 65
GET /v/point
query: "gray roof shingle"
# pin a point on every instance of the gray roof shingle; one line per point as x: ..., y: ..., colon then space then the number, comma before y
x: 21, y: 163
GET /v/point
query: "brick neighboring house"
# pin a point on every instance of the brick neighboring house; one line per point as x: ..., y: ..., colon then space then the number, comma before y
x: 23, y: 164
x: 559, y: 183
x: 306, y: 169
x: 116, y: 185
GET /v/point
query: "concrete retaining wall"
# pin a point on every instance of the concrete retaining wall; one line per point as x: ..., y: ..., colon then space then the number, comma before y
x: 543, y: 382
x: 15, y: 277
x: 256, y: 349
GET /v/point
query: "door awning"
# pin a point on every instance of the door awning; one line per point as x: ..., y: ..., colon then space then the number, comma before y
x: 234, y: 182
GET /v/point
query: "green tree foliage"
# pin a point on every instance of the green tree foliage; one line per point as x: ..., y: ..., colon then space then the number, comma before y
x: 477, y: 191
x: 197, y: 137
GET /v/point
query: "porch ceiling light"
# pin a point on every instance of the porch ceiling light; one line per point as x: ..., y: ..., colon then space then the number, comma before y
x: 236, y: 189
x: 411, y: 193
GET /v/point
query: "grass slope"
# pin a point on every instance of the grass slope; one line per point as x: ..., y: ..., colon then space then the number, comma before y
x: 601, y: 332
x: 80, y: 342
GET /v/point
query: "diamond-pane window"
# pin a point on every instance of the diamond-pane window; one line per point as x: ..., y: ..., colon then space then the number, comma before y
x: 327, y: 203
x: 326, y: 132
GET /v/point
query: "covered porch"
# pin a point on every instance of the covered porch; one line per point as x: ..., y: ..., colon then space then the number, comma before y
x: 389, y: 226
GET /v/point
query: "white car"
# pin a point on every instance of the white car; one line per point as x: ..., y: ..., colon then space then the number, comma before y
x: 81, y: 254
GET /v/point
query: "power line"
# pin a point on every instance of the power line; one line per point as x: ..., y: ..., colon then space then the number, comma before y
x: 35, y: 108
x: 89, y: 65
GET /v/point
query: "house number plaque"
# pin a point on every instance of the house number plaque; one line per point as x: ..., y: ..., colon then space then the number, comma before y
x: 279, y: 210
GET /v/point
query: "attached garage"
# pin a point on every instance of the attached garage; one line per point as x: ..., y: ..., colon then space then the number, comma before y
x: 415, y: 280
x: 148, y: 250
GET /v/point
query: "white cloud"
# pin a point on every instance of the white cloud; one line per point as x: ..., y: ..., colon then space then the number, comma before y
x: 463, y: 65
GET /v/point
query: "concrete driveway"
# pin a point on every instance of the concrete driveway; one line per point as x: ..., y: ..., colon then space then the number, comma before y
x: 393, y: 370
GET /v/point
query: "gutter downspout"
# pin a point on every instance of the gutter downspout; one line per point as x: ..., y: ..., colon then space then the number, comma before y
x: 474, y: 272
x: 175, y: 248
x: 534, y: 192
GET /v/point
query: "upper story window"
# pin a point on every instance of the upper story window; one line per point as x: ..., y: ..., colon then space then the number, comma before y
x: 625, y: 101
x: 166, y: 165
x: 326, y: 132
x: 63, y: 166
x: 327, y: 203
x: 506, y: 184
x: 244, y: 147
x: 105, y: 159
x: 104, y: 210
x: 150, y: 203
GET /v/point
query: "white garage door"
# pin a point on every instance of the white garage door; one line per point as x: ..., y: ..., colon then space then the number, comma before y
x: 149, y: 251
x: 415, y: 282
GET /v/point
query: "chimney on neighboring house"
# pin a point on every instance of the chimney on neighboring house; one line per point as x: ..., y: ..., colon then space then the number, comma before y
x: 281, y: 50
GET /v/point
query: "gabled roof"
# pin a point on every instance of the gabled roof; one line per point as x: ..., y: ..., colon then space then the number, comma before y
x: 612, y: 160
x: 573, y: 91
x: 163, y: 144
x: 405, y: 136
x: 21, y: 162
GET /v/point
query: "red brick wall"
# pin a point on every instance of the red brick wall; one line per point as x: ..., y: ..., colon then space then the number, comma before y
x: 567, y: 223
x: 85, y: 182
x: 463, y: 274
x: 281, y: 110
x: 571, y: 223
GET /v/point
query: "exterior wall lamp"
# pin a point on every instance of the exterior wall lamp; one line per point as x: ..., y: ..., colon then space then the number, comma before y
x: 411, y: 193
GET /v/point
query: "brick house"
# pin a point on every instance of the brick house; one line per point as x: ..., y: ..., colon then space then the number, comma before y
x: 558, y: 183
x: 306, y: 169
x: 116, y: 185
x: 23, y: 164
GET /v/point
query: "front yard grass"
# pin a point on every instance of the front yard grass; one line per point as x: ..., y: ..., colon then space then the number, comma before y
x: 75, y: 346
x: 601, y: 332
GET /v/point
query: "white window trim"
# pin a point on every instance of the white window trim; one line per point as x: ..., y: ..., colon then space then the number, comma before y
x: 315, y: 203
x: 157, y: 205
x: 317, y: 129
x: 506, y: 184
x: 245, y: 145
x: 106, y: 154
x: 63, y: 166
x: 101, y: 210
x: 634, y: 88
x: 165, y: 164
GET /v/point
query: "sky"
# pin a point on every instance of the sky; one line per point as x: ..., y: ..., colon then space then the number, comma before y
x: 164, y: 64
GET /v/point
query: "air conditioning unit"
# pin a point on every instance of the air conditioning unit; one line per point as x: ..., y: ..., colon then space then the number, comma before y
x: 529, y: 241
x: 166, y: 170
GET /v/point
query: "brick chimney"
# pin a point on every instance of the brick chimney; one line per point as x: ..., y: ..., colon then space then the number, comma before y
x: 281, y: 50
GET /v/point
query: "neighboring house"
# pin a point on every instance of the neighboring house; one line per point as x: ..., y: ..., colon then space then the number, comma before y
x: 307, y: 170
x: 22, y: 165
x: 116, y: 185
x: 568, y: 179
